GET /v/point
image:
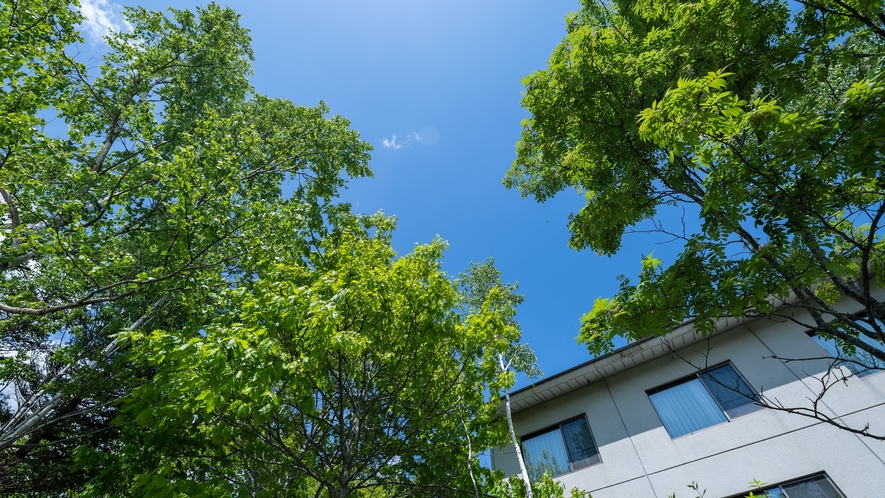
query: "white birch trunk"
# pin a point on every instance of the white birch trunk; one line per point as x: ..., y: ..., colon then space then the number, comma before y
x: 29, y: 416
x: 470, y: 459
x: 522, y: 469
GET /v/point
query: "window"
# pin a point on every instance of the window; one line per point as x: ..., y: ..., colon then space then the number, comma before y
x: 858, y: 361
x: 566, y: 447
x: 819, y: 486
x: 708, y: 398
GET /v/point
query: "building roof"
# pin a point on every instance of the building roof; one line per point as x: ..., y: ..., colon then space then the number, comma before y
x: 606, y: 365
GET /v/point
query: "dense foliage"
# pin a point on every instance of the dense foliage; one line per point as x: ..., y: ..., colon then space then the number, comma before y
x: 764, y: 117
x: 340, y: 370
x: 185, y: 310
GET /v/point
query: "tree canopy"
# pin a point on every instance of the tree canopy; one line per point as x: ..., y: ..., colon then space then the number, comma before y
x: 186, y: 310
x: 132, y: 193
x: 340, y: 370
x: 764, y: 116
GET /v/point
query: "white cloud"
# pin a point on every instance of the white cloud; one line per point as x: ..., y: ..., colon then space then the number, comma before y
x: 101, y: 18
x: 391, y: 144
x: 427, y: 136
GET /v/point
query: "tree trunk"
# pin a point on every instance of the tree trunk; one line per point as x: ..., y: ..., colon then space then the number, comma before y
x: 522, y: 469
x: 339, y: 493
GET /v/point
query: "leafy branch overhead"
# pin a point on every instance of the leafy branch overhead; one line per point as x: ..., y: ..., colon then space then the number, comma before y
x: 133, y: 192
x: 340, y: 371
x: 482, y: 289
x: 765, y: 119
x: 186, y: 310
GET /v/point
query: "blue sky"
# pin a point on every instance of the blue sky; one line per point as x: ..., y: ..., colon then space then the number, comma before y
x: 449, y: 72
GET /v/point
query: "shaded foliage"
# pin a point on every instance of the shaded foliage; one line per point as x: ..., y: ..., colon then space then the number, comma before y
x: 132, y: 193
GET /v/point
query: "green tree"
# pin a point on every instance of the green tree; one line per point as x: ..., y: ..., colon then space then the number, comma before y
x: 765, y: 117
x: 481, y: 286
x: 546, y: 487
x: 163, y: 187
x: 342, y: 371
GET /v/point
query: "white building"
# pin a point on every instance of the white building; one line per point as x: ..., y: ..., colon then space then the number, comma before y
x: 659, y: 414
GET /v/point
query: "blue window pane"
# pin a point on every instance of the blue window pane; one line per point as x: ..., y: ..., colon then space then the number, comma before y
x: 731, y: 391
x: 816, y: 487
x: 827, y: 487
x: 581, y: 448
x: 545, y: 453
x: 858, y: 361
x: 773, y: 493
x: 567, y: 447
x: 686, y: 407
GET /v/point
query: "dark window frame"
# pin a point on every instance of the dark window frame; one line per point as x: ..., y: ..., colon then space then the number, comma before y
x: 768, y: 487
x: 558, y: 427
x: 697, y: 375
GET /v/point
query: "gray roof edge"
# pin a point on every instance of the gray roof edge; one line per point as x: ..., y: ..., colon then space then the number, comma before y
x: 529, y: 395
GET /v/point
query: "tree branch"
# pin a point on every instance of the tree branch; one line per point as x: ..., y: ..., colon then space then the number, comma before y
x: 13, y: 211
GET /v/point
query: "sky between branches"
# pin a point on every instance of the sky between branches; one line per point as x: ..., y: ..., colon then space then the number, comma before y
x: 435, y: 88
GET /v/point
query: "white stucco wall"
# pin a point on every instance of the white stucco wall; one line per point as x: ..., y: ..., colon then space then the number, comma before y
x: 640, y: 459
